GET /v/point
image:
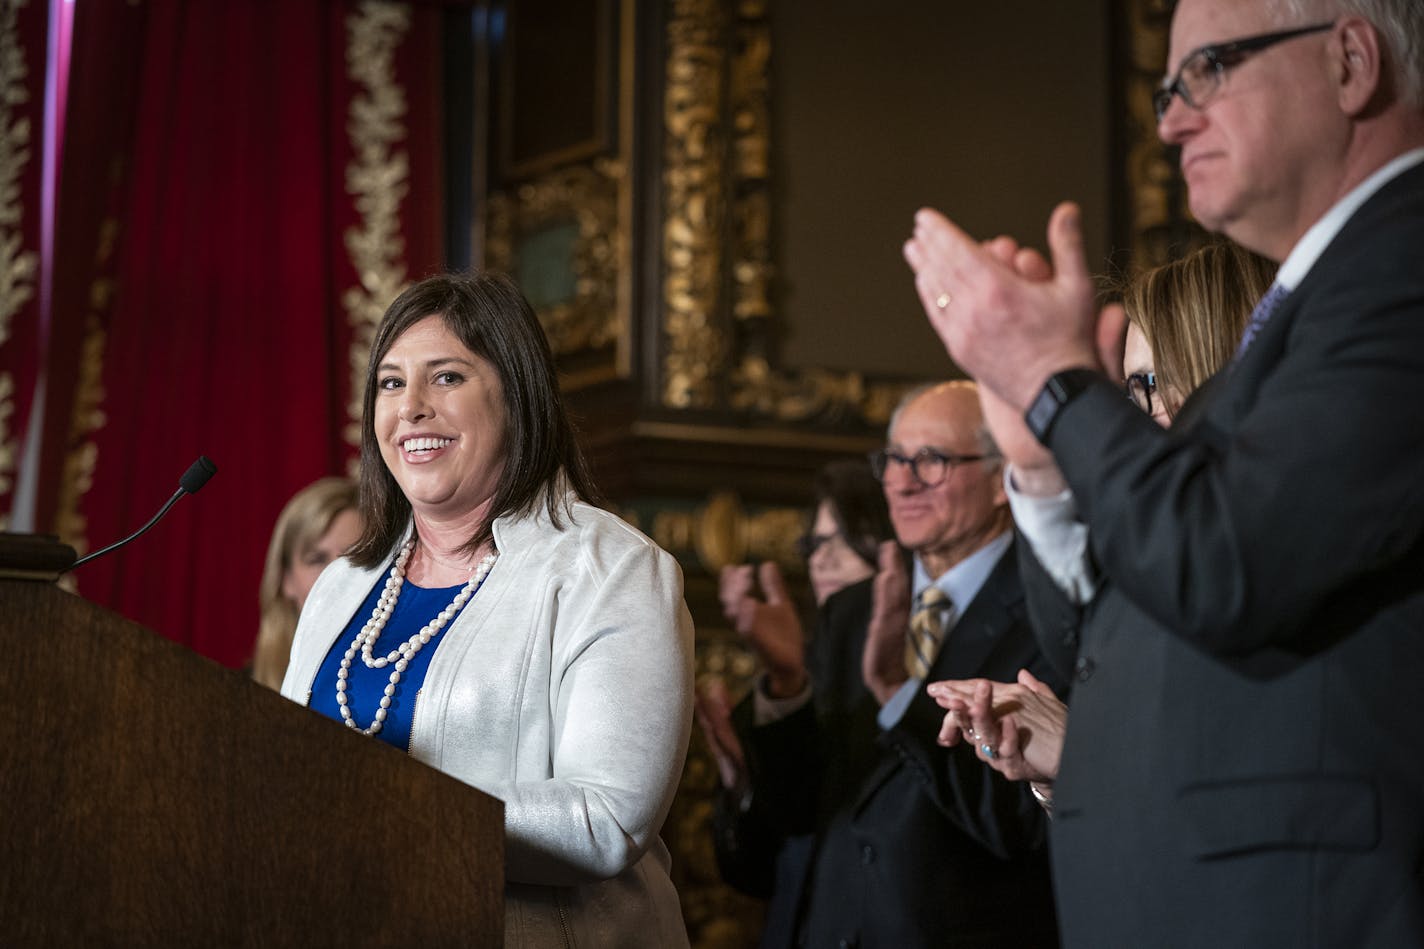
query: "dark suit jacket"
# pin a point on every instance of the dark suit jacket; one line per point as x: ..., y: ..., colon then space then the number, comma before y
x: 765, y: 849
x: 1244, y: 763
x: 914, y: 844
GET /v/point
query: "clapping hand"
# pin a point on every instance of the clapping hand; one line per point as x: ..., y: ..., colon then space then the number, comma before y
x: 769, y: 624
x: 714, y: 714
x: 883, y: 662
x: 1017, y: 727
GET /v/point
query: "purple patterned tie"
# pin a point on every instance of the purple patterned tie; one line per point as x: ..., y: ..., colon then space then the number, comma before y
x: 1260, y: 315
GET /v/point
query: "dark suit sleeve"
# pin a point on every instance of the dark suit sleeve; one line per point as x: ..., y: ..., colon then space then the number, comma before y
x: 783, y: 767
x: 745, y: 845
x: 1296, y: 487
x: 785, y: 764
x: 1056, y: 619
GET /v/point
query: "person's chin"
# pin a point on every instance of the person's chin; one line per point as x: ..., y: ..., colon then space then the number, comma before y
x: 429, y: 497
x: 1208, y: 205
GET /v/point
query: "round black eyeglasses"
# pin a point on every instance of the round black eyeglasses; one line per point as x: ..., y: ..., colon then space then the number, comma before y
x: 929, y: 467
x: 1204, y: 70
x: 1139, y: 388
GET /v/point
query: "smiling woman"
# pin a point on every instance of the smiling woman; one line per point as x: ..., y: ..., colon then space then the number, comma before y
x: 500, y: 627
x: 440, y: 423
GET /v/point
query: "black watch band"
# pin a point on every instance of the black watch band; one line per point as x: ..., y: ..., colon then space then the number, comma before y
x: 1060, y: 389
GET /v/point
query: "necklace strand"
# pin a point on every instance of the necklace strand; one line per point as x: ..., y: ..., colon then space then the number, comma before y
x: 402, y: 655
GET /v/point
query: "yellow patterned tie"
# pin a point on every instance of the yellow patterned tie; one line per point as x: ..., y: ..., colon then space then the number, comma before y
x: 926, y: 632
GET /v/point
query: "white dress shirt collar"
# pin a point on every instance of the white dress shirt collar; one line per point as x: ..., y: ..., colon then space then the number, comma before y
x: 962, y: 581
x: 1313, y: 243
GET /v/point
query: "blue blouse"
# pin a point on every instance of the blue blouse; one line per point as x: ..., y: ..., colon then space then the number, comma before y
x: 415, y: 607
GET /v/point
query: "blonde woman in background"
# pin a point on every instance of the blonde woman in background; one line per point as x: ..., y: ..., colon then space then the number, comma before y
x: 1185, y: 320
x: 315, y: 527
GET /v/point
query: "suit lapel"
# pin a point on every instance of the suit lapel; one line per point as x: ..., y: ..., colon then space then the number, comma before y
x: 968, y: 646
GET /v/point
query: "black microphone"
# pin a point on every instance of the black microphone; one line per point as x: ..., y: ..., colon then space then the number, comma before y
x: 194, y: 478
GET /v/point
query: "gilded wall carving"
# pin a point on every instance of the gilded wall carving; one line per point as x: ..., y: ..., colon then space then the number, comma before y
x: 1159, y: 220
x: 695, y: 200
x: 719, y: 322
x: 87, y: 415
x: 18, y: 266
x: 585, y: 198
x: 722, y: 531
x: 717, y: 115
x: 378, y: 178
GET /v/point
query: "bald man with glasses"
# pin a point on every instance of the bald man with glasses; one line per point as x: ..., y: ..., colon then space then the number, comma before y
x: 911, y: 844
x: 1243, y: 764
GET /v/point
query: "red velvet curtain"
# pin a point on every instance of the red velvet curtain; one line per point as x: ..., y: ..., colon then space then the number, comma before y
x: 205, y: 221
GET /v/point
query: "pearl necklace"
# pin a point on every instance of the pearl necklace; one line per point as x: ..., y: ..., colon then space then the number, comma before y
x: 401, y: 656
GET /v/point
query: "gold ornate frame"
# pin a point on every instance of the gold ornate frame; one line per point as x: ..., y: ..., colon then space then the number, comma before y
x: 718, y: 323
x: 587, y: 197
x: 716, y: 180
x: 1159, y: 224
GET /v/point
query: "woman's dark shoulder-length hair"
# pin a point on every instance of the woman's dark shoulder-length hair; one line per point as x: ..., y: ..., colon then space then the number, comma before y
x: 857, y: 504
x: 489, y: 315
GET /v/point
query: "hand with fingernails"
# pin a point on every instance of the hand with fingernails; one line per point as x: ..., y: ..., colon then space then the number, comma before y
x: 768, y: 623
x: 1017, y: 727
x: 713, y: 706
x: 1007, y: 316
x: 883, y: 661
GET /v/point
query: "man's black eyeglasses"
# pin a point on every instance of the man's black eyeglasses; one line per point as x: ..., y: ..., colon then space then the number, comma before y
x: 929, y: 467
x: 1204, y: 69
x: 1139, y: 388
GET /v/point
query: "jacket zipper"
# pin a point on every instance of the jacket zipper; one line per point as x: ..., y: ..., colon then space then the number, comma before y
x: 564, y: 921
x: 414, y: 707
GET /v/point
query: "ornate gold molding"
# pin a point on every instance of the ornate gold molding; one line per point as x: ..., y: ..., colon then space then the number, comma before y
x: 1159, y: 221
x: 587, y: 198
x: 718, y: 154
x: 795, y: 396
x: 721, y: 532
x: 87, y: 415
x: 694, y: 201
x: 719, y: 322
x: 378, y: 178
x: 18, y: 266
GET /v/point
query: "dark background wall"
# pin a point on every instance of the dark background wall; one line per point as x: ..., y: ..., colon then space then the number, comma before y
x: 992, y: 112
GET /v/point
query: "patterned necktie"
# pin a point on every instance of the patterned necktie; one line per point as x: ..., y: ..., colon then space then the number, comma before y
x: 1260, y: 315
x: 926, y: 632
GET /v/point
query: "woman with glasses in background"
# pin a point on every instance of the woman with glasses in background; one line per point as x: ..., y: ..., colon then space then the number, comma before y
x: 847, y: 522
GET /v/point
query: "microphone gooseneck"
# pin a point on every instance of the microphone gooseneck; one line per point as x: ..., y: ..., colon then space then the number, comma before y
x: 194, y: 478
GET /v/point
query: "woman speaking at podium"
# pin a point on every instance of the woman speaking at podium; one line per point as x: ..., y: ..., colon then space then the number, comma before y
x: 499, y: 627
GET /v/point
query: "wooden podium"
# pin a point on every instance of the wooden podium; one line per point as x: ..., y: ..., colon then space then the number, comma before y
x: 149, y: 797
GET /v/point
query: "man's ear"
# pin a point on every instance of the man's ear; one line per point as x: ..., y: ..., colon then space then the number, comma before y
x: 1357, y: 58
x: 1001, y: 494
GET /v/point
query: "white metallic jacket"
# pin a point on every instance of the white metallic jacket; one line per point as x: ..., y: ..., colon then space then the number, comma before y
x: 564, y: 689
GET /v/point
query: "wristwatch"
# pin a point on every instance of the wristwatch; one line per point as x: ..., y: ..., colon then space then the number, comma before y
x: 1060, y: 389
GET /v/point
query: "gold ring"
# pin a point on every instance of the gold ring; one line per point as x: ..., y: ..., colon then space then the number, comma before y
x: 943, y: 300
